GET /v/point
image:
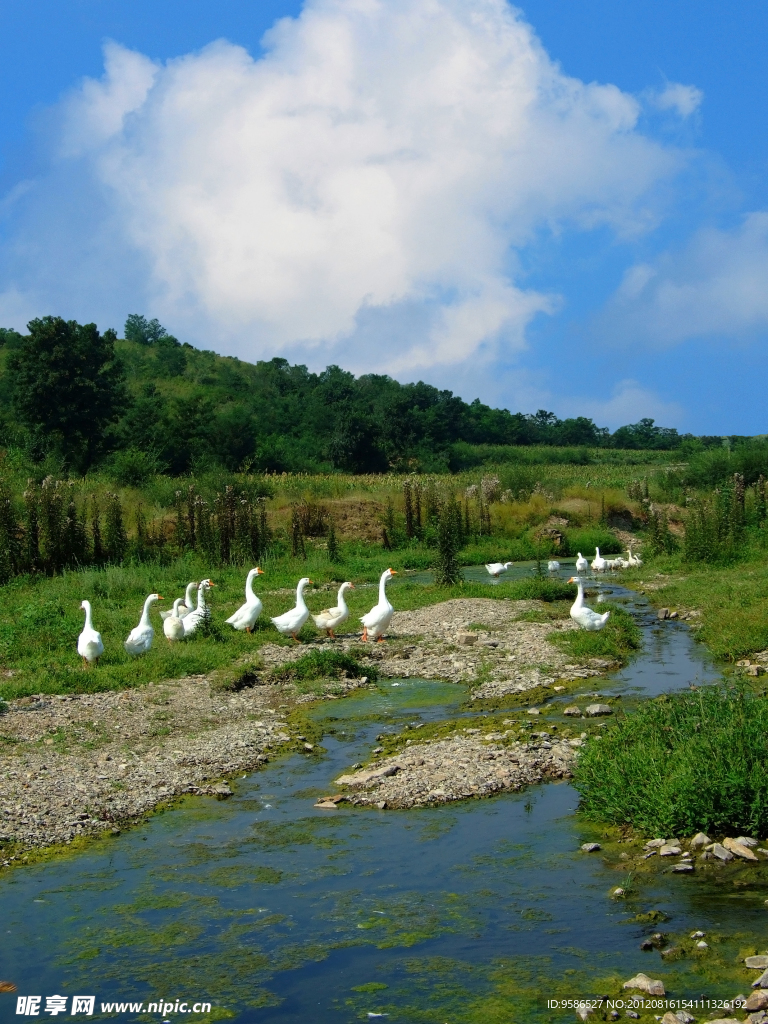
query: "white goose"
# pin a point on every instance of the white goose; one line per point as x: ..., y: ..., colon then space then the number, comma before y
x: 246, y: 615
x: 497, y: 568
x: 139, y: 640
x: 580, y: 613
x: 329, y: 618
x: 194, y: 620
x: 553, y: 565
x: 173, y: 627
x: 186, y: 603
x: 582, y: 565
x: 89, y: 644
x: 634, y: 561
x: 377, y: 620
x: 599, y: 564
x: 289, y: 623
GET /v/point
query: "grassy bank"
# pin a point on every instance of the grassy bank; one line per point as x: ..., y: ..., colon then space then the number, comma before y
x: 40, y: 618
x: 682, y: 763
x: 733, y: 600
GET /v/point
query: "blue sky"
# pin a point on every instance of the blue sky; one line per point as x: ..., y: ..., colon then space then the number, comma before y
x: 557, y: 204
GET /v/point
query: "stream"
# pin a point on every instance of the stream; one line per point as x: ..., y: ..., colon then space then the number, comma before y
x: 274, y: 911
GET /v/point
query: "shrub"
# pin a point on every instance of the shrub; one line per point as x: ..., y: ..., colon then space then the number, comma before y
x: 133, y: 467
x: 682, y: 763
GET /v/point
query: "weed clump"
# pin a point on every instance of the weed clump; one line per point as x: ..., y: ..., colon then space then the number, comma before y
x: 322, y: 665
x: 683, y: 763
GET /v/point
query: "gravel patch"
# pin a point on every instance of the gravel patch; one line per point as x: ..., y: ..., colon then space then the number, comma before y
x: 79, y: 765
x: 458, y: 767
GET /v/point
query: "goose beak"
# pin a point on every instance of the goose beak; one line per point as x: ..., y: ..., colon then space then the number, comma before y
x: 351, y: 586
x: 259, y: 572
x: 211, y: 583
x: 572, y: 579
x: 311, y: 582
x: 159, y: 597
x: 393, y: 572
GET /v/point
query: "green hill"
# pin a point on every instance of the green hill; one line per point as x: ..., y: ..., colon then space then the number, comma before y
x: 176, y: 409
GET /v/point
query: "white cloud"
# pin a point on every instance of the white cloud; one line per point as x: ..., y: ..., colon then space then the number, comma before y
x: 682, y: 99
x: 718, y: 285
x: 629, y: 402
x: 383, y: 156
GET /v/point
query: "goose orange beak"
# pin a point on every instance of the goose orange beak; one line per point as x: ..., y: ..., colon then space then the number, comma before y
x: 393, y: 571
x: 259, y: 572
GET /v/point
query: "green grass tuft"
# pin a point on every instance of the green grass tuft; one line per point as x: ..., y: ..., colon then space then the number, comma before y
x: 682, y: 763
x: 322, y: 665
x: 617, y: 639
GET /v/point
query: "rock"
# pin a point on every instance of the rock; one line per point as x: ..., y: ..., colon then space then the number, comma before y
x: 757, y: 1001
x: 756, y: 963
x: 721, y: 853
x: 670, y: 1018
x: 364, y: 777
x: 646, y: 984
x: 746, y: 841
x: 684, y: 1017
x: 699, y: 935
x: 762, y: 981
x: 590, y: 847
x: 654, y: 843
x: 534, y: 711
x: 584, y: 1012
x: 674, y: 615
x: 739, y: 849
x: 221, y: 791
x: 633, y: 1015
x: 598, y: 709
x: 572, y: 710
x: 755, y: 670
x: 682, y: 868
x: 328, y: 805
x: 466, y: 639
x: 618, y: 892
x: 699, y: 841
x: 663, y: 613
x: 669, y: 850
x: 701, y: 944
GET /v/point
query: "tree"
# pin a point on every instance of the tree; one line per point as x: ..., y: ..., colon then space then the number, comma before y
x: 145, y: 332
x: 67, y: 386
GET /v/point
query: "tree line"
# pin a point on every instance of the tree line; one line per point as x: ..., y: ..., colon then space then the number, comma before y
x: 148, y: 403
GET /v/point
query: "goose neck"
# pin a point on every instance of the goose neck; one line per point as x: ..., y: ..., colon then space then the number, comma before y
x: 201, y: 599
x: 88, y: 620
x: 147, y: 606
x: 249, y: 594
x: 383, y: 588
x: 300, y: 602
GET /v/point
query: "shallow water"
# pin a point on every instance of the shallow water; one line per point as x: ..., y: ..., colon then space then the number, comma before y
x: 280, y: 912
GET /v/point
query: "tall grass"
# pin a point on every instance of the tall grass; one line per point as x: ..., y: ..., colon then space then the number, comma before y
x: 683, y: 763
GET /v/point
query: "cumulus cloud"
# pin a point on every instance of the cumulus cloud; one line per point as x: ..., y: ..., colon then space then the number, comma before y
x: 683, y: 100
x: 717, y: 286
x: 381, y: 166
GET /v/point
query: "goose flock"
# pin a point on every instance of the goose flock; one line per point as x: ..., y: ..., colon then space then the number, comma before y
x: 185, y: 618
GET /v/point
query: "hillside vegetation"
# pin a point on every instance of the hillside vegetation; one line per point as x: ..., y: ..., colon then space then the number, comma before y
x: 149, y: 403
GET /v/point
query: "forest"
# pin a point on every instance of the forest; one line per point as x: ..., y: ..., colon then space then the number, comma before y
x: 147, y: 403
